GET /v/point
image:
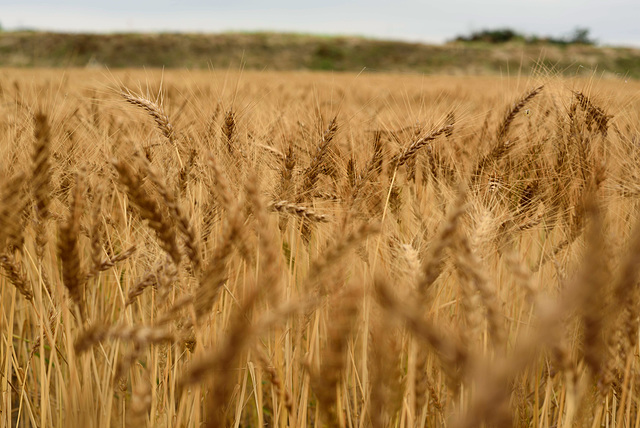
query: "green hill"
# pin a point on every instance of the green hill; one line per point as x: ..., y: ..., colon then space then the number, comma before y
x: 275, y: 51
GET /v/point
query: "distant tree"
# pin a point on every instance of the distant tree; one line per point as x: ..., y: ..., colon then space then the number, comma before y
x: 499, y: 35
x: 581, y: 35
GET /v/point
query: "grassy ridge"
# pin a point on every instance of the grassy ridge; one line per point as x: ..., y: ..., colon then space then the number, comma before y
x: 276, y: 51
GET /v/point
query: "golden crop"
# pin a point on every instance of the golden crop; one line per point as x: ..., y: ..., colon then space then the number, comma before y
x: 300, y: 249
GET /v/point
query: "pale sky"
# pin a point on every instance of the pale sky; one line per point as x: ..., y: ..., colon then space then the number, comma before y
x: 610, y: 21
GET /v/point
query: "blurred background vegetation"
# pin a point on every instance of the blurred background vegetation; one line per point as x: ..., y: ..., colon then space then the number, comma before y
x: 497, y: 51
x: 579, y: 36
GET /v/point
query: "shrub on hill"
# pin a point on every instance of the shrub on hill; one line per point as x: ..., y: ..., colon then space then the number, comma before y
x: 579, y: 35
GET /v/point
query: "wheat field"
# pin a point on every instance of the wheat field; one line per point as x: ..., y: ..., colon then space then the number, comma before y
x: 224, y: 249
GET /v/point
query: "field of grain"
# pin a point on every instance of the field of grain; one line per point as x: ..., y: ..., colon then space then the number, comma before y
x: 301, y: 249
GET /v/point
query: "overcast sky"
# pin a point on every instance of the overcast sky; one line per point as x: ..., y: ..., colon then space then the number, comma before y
x: 610, y: 21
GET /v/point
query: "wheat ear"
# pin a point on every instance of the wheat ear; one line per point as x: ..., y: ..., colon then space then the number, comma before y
x: 12, y: 204
x: 15, y: 273
x: 149, y: 210
x: 181, y: 218
x: 41, y: 179
x: 299, y: 211
x: 311, y: 174
x: 155, y: 111
x: 68, y: 249
x: 409, y: 152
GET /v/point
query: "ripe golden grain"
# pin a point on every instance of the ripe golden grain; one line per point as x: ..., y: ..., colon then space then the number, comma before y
x: 389, y: 271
